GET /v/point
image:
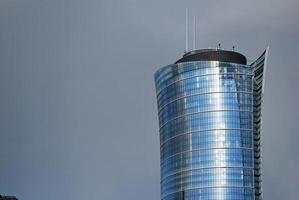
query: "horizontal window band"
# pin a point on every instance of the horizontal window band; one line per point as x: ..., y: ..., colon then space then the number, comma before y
x: 202, y: 149
x: 203, y: 168
x: 202, y: 105
x: 199, y: 149
x: 199, y: 94
x: 213, y: 134
x: 208, y: 111
x: 206, y: 130
x: 210, y: 187
x: 181, y: 91
x: 180, y: 68
x: 203, y: 75
x: 205, y: 149
x: 164, y: 118
x: 211, y: 138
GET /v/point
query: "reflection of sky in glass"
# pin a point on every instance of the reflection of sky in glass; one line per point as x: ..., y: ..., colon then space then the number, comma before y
x: 205, y: 105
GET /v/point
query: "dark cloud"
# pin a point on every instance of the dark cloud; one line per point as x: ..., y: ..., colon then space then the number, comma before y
x: 78, y: 110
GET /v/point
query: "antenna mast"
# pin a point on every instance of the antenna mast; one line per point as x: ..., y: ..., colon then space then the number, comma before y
x: 186, y: 33
x: 194, y: 33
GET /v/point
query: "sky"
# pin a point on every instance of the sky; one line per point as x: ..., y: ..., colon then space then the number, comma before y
x: 78, y: 113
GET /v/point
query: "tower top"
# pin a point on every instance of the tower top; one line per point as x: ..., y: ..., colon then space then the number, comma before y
x: 213, y: 55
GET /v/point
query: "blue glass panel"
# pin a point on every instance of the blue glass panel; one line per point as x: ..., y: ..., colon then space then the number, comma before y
x: 206, y: 131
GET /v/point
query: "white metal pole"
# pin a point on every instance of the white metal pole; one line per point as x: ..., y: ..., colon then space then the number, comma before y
x: 194, y: 32
x: 187, y: 27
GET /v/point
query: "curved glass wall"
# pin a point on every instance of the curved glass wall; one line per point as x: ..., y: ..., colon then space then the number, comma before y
x: 206, y: 130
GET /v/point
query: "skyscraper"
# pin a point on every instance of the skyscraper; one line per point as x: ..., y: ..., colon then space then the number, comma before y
x: 209, y: 107
x: 7, y: 197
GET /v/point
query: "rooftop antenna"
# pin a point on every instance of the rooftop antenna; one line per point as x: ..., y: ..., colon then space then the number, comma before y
x: 219, y: 45
x: 186, y: 36
x: 233, y: 48
x: 194, y: 32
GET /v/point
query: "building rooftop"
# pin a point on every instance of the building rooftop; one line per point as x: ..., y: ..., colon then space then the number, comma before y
x: 8, y: 197
x: 213, y: 55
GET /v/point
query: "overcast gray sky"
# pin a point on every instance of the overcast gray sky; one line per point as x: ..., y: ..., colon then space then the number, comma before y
x: 78, y: 114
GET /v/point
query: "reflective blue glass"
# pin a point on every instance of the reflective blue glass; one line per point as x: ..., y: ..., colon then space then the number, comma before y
x: 205, y: 113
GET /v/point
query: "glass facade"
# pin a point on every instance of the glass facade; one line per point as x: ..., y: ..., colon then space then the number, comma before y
x: 259, y: 67
x: 206, y: 122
